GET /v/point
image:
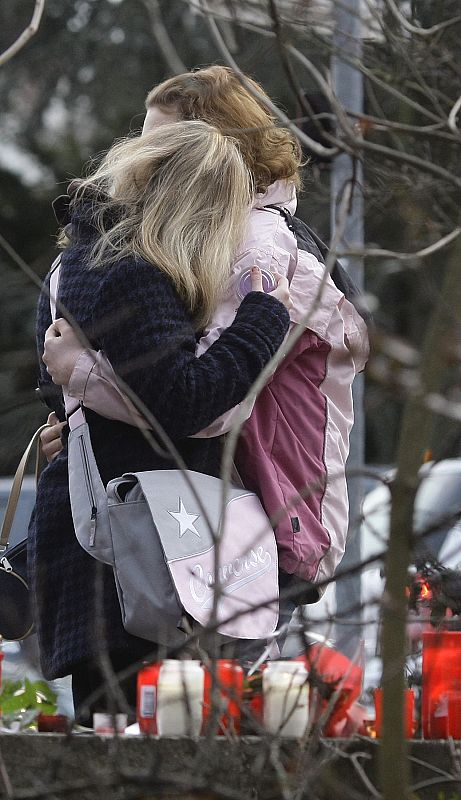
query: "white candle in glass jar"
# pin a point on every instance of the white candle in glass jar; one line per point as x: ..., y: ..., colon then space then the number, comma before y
x: 180, y: 698
x: 285, y: 698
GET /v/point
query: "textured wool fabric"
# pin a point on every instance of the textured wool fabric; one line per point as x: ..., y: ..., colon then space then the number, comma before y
x: 131, y: 311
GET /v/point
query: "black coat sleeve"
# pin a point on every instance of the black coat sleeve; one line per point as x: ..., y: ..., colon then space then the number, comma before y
x: 148, y: 337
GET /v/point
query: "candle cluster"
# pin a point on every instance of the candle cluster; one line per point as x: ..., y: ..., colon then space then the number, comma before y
x: 182, y: 698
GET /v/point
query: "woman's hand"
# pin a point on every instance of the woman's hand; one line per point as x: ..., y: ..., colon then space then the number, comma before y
x: 281, y: 292
x: 61, y: 351
x: 50, y: 438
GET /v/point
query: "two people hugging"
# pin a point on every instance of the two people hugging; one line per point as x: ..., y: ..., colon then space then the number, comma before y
x: 182, y: 272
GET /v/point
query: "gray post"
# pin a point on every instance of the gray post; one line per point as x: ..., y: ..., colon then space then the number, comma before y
x: 348, y: 88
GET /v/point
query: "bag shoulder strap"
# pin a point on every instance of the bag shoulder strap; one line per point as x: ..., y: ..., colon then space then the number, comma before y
x: 306, y: 238
x: 69, y: 404
x: 290, y: 225
x: 54, y: 285
x: 17, y: 485
x: 288, y: 217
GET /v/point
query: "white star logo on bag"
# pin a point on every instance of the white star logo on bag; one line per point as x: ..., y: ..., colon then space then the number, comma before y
x: 185, y: 520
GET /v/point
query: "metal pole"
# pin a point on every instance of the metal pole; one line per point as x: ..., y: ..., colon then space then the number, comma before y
x: 348, y: 87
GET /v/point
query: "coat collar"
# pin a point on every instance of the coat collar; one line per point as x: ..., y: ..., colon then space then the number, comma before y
x: 280, y: 193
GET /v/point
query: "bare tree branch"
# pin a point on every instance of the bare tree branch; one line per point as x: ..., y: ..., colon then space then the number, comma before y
x: 314, y: 146
x: 381, y: 123
x: 453, y: 115
x: 423, y: 253
x: 420, y: 31
x: 356, y: 141
x: 325, y: 86
x: 391, y: 90
x: 162, y: 37
x: 27, y: 34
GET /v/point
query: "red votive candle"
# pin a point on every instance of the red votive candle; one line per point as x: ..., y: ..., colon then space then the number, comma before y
x: 52, y: 723
x: 409, y: 710
x: 146, y: 698
x: 454, y: 714
x: 229, y: 682
x: 441, y: 676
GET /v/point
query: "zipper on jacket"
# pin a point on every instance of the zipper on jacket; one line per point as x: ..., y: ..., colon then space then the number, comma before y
x: 5, y: 564
x: 89, y: 489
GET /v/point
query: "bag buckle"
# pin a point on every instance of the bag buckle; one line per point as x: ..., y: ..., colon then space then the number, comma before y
x: 5, y: 564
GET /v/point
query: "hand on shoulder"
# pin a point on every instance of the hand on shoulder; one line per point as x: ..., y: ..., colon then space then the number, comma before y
x: 61, y: 350
x: 281, y: 291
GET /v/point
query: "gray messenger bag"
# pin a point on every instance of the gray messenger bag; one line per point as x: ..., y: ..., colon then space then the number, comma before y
x: 172, y: 547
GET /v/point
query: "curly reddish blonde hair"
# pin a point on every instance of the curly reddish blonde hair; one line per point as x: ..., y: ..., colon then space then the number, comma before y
x: 217, y: 96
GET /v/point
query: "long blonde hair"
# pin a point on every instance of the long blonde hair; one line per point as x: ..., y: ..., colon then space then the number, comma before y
x: 179, y: 198
x: 217, y: 96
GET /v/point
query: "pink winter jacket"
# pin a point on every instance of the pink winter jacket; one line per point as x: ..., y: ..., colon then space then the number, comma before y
x: 295, y: 442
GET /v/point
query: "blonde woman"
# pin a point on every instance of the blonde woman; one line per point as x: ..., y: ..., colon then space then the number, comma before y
x: 153, y: 236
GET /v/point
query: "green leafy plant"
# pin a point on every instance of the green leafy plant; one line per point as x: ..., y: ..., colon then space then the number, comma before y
x: 22, y: 701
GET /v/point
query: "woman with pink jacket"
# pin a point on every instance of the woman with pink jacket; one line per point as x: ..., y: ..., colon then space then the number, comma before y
x: 293, y: 447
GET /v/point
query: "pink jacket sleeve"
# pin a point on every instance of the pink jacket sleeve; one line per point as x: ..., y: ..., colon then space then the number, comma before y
x: 93, y: 382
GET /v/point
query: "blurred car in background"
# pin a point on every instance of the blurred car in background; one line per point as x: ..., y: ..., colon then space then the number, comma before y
x: 436, y: 555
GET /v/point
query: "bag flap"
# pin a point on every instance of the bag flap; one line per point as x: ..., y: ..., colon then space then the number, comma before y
x: 248, y: 566
x: 183, y: 527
